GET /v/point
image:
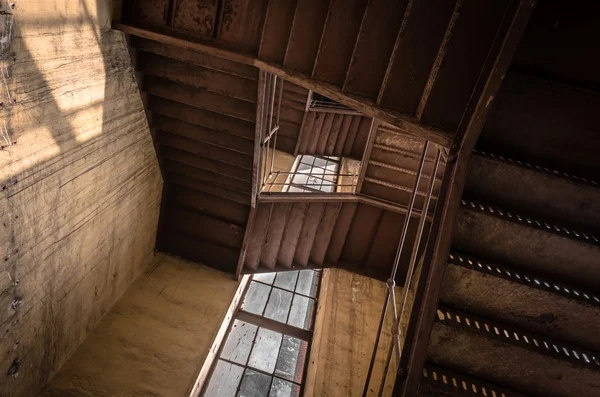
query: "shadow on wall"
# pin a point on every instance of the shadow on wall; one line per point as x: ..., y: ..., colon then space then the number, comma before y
x: 79, y: 183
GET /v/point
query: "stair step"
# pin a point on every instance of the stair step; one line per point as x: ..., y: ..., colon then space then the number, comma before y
x: 361, y: 234
x: 374, y: 47
x: 313, y: 216
x: 518, y: 304
x: 258, y: 235
x: 206, y: 176
x: 205, y: 163
x: 337, y: 43
x: 534, y: 188
x: 342, y: 227
x: 307, y: 28
x: 174, y: 178
x: 512, y: 366
x: 324, y: 233
x: 291, y: 234
x: 277, y: 224
x: 530, y: 244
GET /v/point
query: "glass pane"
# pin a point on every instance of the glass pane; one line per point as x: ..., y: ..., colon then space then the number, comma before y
x: 290, y: 364
x: 254, y: 384
x: 225, y: 380
x: 256, y: 298
x: 266, y: 278
x: 286, y: 280
x: 319, y: 162
x: 300, y: 179
x: 264, y: 353
x: 283, y: 388
x: 295, y: 189
x: 308, y: 282
x: 301, y: 315
x: 278, y: 307
x: 239, y: 342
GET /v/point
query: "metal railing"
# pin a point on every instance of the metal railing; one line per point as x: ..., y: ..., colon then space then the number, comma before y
x: 399, y: 318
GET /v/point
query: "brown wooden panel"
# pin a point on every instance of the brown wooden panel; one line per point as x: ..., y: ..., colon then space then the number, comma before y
x: 201, y: 98
x: 241, y: 24
x: 291, y: 114
x: 324, y: 233
x: 416, y: 52
x: 203, y: 134
x: 288, y: 130
x: 374, y: 47
x: 361, y: 233
x: 295, y: 93
x: 209, y: 205
x: 196, y: 58
x: 198, y: 116
x: 258, y: 235
x: 291, y: 234
x: 292, y: 103
x: 152, y: 12
x: 305, y: 133
x: 466, y: 52
x: 276, y: 32
x: 174, y: 178
x: 205, y: 150
x: 207, y: 176
x: 196, y: 17
x: 333, y: 135
x: 340, y: 232
x: 285, y: 144
x: 308, y: 234
x: 392, y: 194
x: 351, y: 136
x: 202, y: 227
x: 213, y: 255
x: 309, y: 21
x: 205, y: 163
x: 277, y: 225
x: 324, y: 133
x: 339, y: 37
x: 198, y: 76
x: 313, y: 134
x: 343, y: 134
x: 362, y: 136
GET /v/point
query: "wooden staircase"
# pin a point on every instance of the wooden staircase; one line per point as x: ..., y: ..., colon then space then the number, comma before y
x: 347, y: 234
x: 519, y: 306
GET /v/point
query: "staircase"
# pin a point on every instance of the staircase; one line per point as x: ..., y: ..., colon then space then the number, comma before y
x: 392, y: 168
x: 348, y: 234
x: 519, y: 311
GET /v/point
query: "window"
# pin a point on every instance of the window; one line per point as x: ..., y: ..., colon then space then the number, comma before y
x: 314, y: 174
x: 266, y: 351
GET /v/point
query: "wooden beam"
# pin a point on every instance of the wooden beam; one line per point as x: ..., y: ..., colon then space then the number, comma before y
x: 367, y: 107
x: 436, y: 254
x: 274, y: 325
x: 247, y: 236
x: 367, y: 154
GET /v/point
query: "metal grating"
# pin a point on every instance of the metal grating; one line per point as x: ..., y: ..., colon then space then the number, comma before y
x: 517, y: 337
x: 464, y: 384
x: 521, y: 277
x: 530, y: 221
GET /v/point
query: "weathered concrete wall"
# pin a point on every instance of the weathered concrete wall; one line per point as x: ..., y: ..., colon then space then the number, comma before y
x: 348, y: 316
x: 155, y: 339
x: 80, y: 185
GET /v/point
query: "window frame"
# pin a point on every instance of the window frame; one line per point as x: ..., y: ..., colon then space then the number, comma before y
x: 310, y: 189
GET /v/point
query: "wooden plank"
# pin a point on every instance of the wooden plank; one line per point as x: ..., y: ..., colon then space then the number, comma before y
x: 324, y: 134
x: 276, y: 32
x: 419, y: 44
x: 305, y: 135
x: 195, y: 18
x: 291, y: 234
x: 363, y: 229
x: 259, y: 231
x: 202, y: 186
x: 152, y: 12
x: 340, y: 232
x: 203, y: 134
x: 205, y: 163
x: 206, y: 150
x: 466, y: 53
x: 337, y: 44
x: 374, y: 47
x: 277, y: 225
x: 342, y: 135
x: 203, y: 227
x: 206, y: 176
x: 209, y: 205
x: 314, y: 132
x: 210, y: 254
x: 361, y: 139
x: 333, y: 135
x: 201, y: 117
x: 311, y: 222
x: 198, y: 76
x: 309, y: 21
x: 201, y: 98
x: 352, y: 132
x: 324, y: 232
x: 367, y: 154
x: 241, y: 24
x: 369, y: 108
x: 273, y: 325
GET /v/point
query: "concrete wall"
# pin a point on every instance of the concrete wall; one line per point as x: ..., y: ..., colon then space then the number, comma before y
x: 348, y: 316
x: 155, y: 339
x: 80, y: 186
